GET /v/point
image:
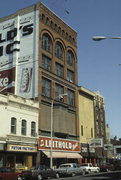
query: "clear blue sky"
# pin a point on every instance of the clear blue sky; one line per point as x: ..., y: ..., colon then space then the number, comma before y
x: 98, y: 62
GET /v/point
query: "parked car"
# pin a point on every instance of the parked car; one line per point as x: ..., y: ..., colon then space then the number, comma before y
x: 89, y: 167
x: 107, y: 167
x: 39, y: 173
x: 7, y: 173
x: 69, y: 169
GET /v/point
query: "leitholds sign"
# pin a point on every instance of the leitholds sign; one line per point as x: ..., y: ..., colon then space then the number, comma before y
x: 18, y: 60
x: 58, y: 144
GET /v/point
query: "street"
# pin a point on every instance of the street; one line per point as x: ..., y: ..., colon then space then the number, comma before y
x: 114, y: 175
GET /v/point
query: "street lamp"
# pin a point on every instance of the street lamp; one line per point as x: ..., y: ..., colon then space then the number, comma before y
x: 60, y: 97
x: 99, y: 38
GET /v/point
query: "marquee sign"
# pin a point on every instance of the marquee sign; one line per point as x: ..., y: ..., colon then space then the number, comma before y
x: 58, y: 144
x: 19, y: 54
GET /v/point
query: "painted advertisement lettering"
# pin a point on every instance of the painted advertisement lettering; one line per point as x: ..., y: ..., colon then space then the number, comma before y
x: 19, y: 54
x: 7, y: 80
x: 11, y: 35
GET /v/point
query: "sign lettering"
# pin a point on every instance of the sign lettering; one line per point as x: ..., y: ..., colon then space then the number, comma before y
x: 59, y: 144
x: 3, y: 82
x: 11, y: 35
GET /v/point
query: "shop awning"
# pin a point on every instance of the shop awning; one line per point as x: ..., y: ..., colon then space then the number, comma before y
x: 63, y: 155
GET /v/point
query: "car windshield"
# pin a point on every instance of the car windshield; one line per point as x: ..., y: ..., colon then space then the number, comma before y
x: 64, y: 166
x: 84, y: 164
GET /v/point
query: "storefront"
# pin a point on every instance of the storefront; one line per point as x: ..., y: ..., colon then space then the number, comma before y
x: 88, y: 154
x: 21, y: 156
x: 63, y: 150
x: 2, y: 153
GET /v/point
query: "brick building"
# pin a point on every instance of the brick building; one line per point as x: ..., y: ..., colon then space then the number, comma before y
x: 38, y: 60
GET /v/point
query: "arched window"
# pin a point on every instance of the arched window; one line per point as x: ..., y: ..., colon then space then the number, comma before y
x: 13, y: 125
x: 63, y: 33
x: 43, y: 17
x: 59, y: 30
x: 46, y: 42
x: 33, y: 128
x: 59, y: 50
x: 70, y: 58
x: 47, y: 21
x: 51, y: 24
x: 23, y: 127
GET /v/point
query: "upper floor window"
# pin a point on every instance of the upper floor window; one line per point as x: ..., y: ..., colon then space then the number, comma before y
x: 59, y: 50
x: 46, y: 62
x: 23, y: 127
x: 82, y: 133
x: 70, y: 58
x: 59, y: 90
x: 33, y: 128
x: 46, y: 42
x: 46, y: 87
x: 70, y: 76
x: 71, y: 98
x: 91, y: 132
x: 59, y: 70
x: 13, y: 125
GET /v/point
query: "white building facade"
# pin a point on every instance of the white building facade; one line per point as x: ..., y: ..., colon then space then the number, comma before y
x: 19, y: 131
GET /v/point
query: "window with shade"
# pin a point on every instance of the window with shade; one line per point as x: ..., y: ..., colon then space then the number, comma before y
x: 70, y: 76
x: 13, y: 125
x: 59, y: 50
x: 33, y: 128
x: 23, y: 127
x: 59, y: 90
x: 59, y: 70
x: 71, y: 97
x: 46, y: 42
x: 70, y: 58
x: 46, y: 87
x: 46, y: 62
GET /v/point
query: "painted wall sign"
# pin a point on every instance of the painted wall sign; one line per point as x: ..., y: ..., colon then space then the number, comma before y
x: 58, y: 144
x: 7, y: 80
x: 10, y: 35
x: 97, y: 142
x: 19, y: 50
x: 20, y: 148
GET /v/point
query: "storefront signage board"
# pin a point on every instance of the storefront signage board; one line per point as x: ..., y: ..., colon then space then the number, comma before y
x: 21, y: 148
x: 58, y: 144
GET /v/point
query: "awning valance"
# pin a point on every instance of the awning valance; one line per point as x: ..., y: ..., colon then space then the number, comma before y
x: 63, y: 155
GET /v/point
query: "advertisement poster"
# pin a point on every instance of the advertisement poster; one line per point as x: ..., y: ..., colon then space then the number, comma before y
x: 19, y: 55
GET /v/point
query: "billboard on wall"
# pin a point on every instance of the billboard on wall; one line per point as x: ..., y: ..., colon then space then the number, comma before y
x: 58, y: 144
x: 19, y: 55
x: 7, y: 80
x: 95, y: 143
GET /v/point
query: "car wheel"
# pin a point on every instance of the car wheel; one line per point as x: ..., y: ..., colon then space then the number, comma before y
x: 19, y: 178
x: 73, y: 174
x: 39, y: 177
x: 83, y: 172
x: 89, y: 171
x: 57, y: 175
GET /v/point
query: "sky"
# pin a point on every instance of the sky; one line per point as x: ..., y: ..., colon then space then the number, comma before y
x: 99, y: 63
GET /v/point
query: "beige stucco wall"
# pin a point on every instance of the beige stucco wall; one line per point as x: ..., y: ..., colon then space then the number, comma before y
x: 86, y: 115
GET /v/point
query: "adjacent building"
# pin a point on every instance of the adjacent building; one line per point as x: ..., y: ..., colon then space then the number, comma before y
x: 86, y: 123
x: 92, y: 126
x: 19, y: 131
